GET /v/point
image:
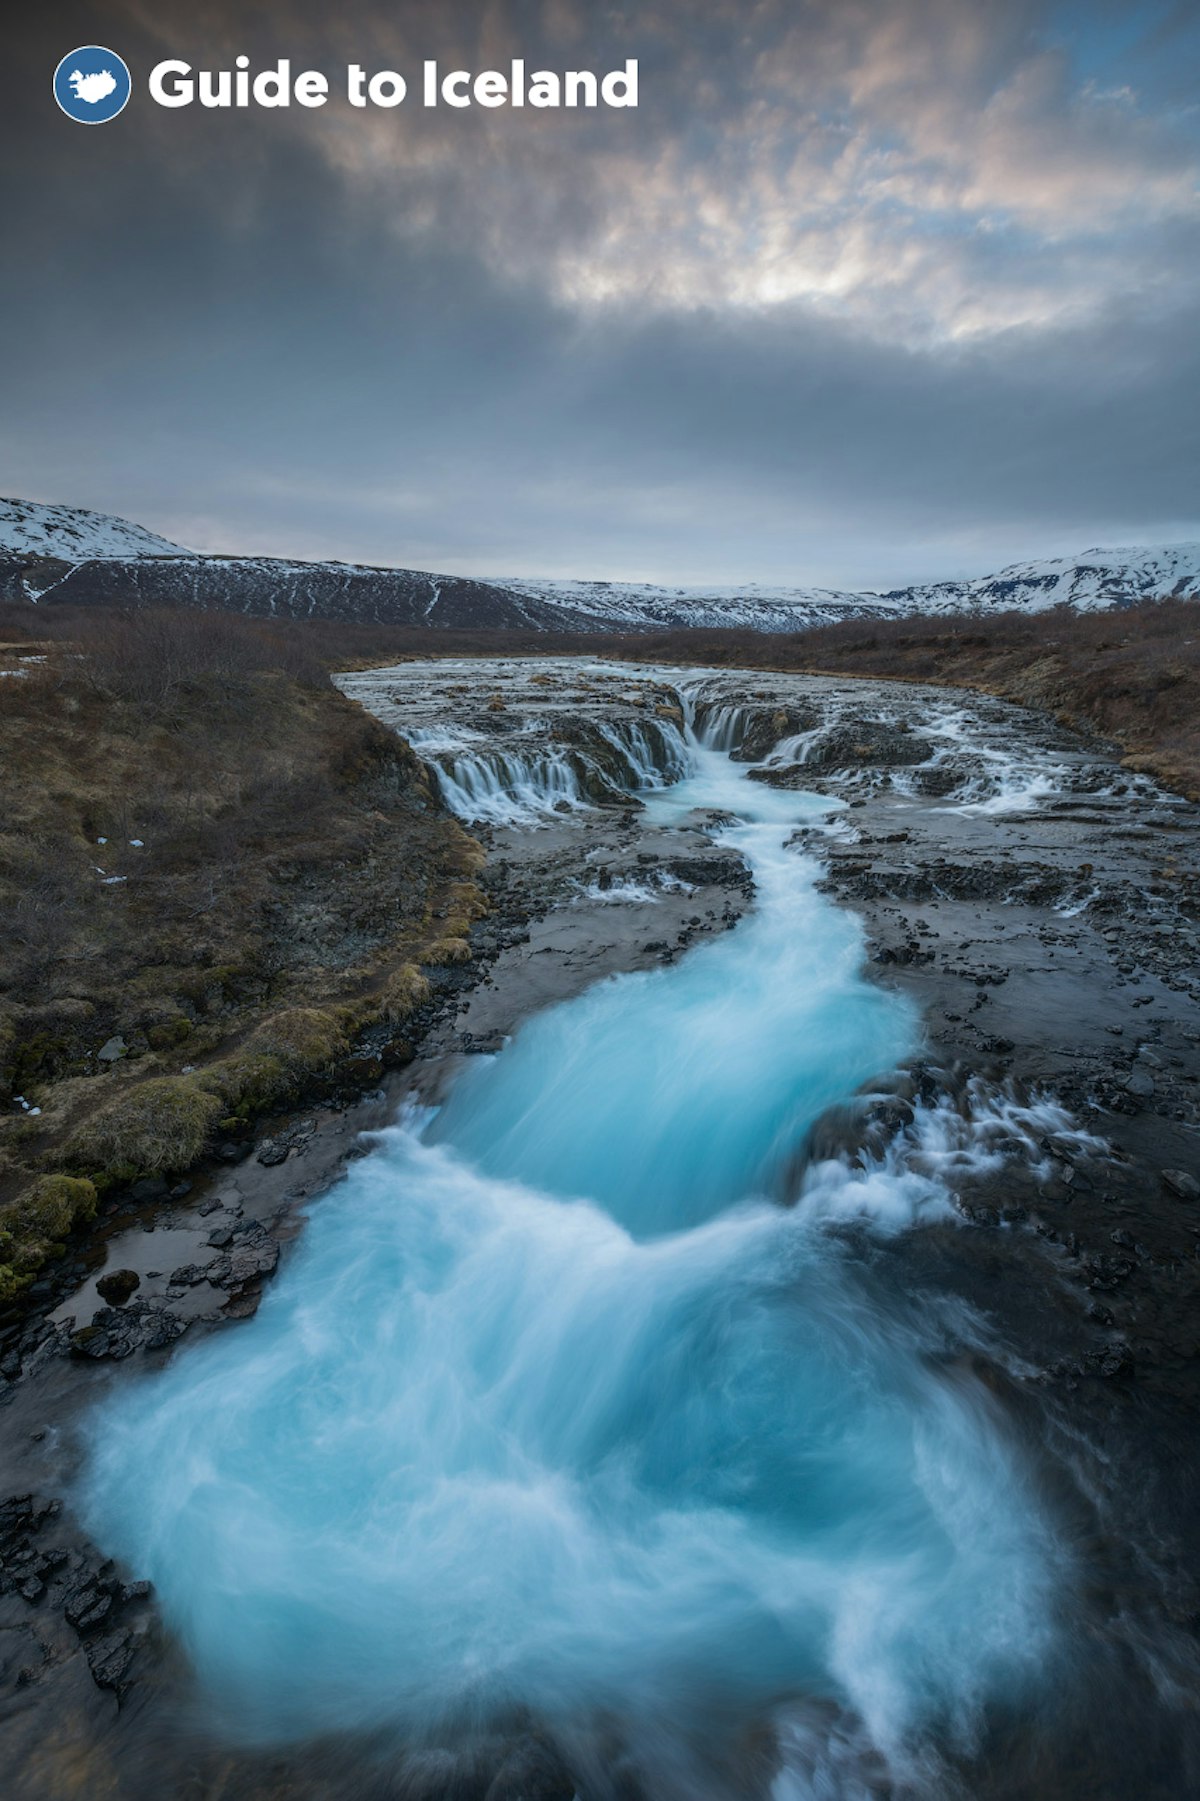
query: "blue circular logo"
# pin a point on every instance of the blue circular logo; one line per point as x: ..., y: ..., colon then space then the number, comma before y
x: 92, y: 85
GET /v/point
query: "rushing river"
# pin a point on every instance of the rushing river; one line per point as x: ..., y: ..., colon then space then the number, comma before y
x: 555, y: 1408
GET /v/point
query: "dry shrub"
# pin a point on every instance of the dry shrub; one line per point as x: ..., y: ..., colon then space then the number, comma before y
x: 403, y: 992
x: 161, y: 1124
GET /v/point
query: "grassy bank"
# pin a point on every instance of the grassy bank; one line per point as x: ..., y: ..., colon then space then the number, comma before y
x: 216, y: 874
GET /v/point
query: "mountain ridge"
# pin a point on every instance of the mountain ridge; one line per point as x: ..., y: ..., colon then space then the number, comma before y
x: 60, y: 554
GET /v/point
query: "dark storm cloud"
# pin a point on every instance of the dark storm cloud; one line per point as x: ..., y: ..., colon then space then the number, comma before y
x: 861, y: 292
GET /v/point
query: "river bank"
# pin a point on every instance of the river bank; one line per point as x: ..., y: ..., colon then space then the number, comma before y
x: 990, y: 856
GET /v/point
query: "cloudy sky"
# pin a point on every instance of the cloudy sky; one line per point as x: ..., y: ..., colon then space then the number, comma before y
x: 864, y: 291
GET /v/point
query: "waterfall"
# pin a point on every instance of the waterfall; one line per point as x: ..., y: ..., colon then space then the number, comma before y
x: 527, y: 781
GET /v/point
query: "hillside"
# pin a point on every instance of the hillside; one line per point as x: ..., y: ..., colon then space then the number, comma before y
x: 1091, y: 583
x: 216, y: 874
x: 29, y: 528
x: 69, y: 556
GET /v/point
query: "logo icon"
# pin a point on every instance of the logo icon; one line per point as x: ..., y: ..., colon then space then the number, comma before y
x: 92, y: 85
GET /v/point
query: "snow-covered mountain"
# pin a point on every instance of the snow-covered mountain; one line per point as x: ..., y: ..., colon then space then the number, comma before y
x: 752, y: 607
x: 52, y: 554
x: 74, y: 533
x: 1090, y: 582
x: 1094, y: 580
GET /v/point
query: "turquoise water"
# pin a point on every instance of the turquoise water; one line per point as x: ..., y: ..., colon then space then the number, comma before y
x: 555, y: 1407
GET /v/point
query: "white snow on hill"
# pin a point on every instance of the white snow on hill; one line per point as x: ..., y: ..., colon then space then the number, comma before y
x: 1090, y: 582
x: 1094, y: 580
x: 751, y: 605
x: 74, y: 533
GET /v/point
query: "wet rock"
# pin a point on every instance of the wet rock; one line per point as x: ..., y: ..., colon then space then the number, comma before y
x: 719, y: 871
x: 361, y: 1072
x: 1183, y: 1186
x: 784, y: 775
x: 1114, y: 1362
x: 162, y: 1329
x: 109, y: 1659
x: 766, y: 726
x: 1140, y: 1083
x: 88, y: 1606
x: 23, y: 1567
x: 117, y: 1333
x: 868, y: 743
x: 250, y: 1259
x: 117, y: 1287
x: 150, y: 1188
x: 940, y: 779
x: 188, y: 1275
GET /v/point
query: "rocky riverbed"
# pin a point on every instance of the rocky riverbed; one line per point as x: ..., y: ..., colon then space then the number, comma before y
x: 1041, y: 908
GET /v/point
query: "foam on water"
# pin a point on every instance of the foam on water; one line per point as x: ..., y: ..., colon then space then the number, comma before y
x: 524, y: 783
x: 555, y: 1407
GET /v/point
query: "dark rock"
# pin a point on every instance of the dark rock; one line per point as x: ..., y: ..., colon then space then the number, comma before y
x: 361, y: 1072
x: 88, y: 1607
x: 118, y: 1333
x: 720, y: 871
x: 117, y: 1287
x: 109, y: 1659
x: 856, y: 744
x: 163, y: 1330
x: 150, y: 1188
x: 272, y: 1151
x: 250, y: 1259
x: 939, y: 780
x: 765, y: 727
x: 1184, y: 1186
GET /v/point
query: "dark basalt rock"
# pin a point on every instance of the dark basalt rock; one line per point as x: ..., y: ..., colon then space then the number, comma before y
x: 868, y: 743
x: 1183, y: 1186
x: 252, y: 1256
x: 716, y: 871
x: 784, y: 775
x: 768, y: 725
x: 117, y: 1333
x: 940, y: 779
x: 117, y: 1287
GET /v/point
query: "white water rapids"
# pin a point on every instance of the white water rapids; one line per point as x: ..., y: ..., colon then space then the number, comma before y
x: 556, y: 1408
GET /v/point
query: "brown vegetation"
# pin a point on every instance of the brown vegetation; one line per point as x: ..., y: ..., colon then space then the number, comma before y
x: 215, y: 873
